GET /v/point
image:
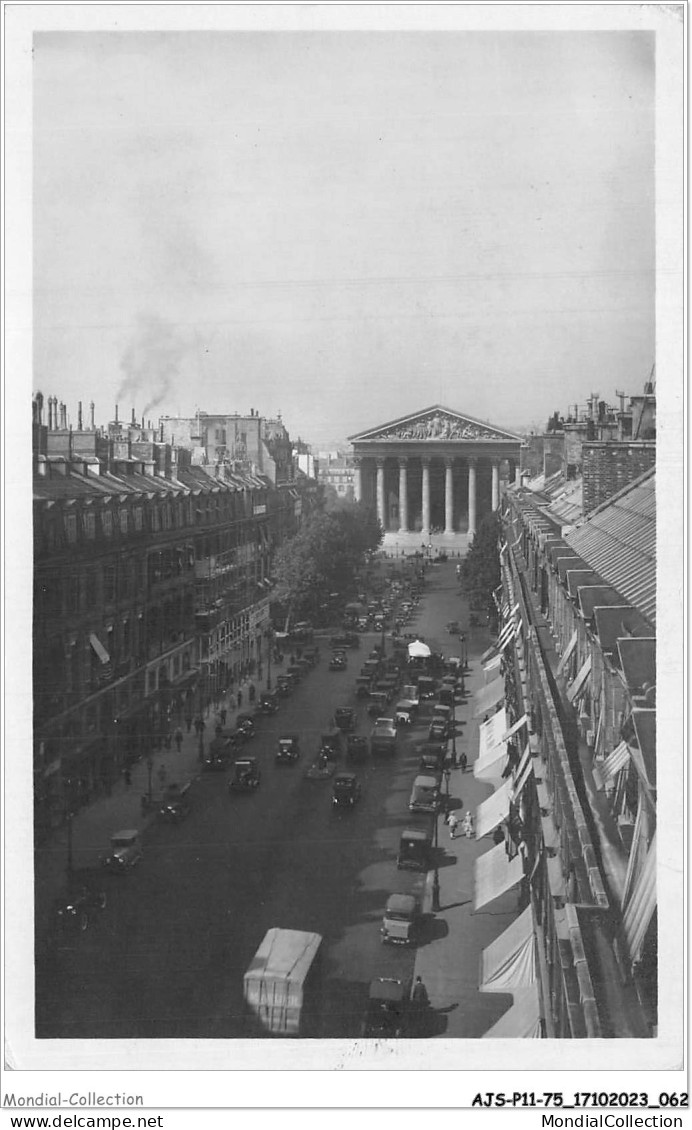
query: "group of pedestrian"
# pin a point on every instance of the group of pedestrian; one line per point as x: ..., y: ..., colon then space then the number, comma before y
x: 467, y: 827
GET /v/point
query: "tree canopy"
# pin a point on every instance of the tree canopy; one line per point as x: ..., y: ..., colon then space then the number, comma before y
x: 324, y: 557
x: 481, y: 569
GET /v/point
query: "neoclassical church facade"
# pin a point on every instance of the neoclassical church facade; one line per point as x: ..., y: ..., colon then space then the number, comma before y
x: 433, y: 472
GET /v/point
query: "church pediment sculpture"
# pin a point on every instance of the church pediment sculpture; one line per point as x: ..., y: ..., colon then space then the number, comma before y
x: 438, y: 426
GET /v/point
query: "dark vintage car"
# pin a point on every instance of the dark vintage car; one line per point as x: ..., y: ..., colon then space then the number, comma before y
x: 176, y: 804
x: 346, y: 639
x: 338, y: 661
x: 363, y: 686
x: 346, y: 790
x: 432, y: 759
x: 245, y: 724
x: 440, y: 729
x: 330, y: 744
x: 220, y: 753
x: 389, y: 1009
x: 246, y: 776
x: 345, y: 718
x: 283, y: 686
x: 268, y: 703
x: 288, y: 749
x: 357, y: 748
x: 84, y: 899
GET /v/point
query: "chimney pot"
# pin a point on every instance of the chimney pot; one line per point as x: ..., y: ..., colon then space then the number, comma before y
x: 91, y: 410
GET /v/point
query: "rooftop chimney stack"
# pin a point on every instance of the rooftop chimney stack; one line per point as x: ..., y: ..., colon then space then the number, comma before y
x: 91, y: 412
x: 63, y: 416
x: 134, y: 418
x: 79, y: 416
x: 116, y: 413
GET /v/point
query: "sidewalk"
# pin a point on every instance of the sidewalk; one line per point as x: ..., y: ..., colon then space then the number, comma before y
x: 93, y: 825
x: 449, y: 964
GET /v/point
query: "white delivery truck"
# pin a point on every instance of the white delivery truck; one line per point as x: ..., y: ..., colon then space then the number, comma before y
x: 280, y: 986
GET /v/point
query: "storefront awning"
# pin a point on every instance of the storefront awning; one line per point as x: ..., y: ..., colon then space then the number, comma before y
x: 509, y: 962
x: 615, y: 761
x: 488, y: 697
x: 524, y: 771
x: 495, y: 874
x: 517, y: 726
x: 99, y: 648
x: 418, y: 650
x: 522, y: 1021
x: 568, y: 651
x: 575, y: 688
x: 642, y: 904
x: 493, y: 811
x: 491, y: 669
x: 492, y: 752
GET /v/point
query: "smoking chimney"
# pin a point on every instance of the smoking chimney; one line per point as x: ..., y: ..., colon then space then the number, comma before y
x: 134, y: 418
x: 91, y: 411
x: 79, y: 416
x: 116, y: 413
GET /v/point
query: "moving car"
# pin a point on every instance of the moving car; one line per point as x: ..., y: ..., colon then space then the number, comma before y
x: 126, y: 851
x: 346, y: 790
x: 405, y: 712
x: 357, y: 748
x: 338, y: 662
x: 176, y: 803
x: 330, y: 744
x: 378, y: 702
x: 388, y: 1008
x: 245, y: 724
x: 268, y: 703
x: 288, y: 749
x: 76, y: 909
x: 282, y: 984
x: 346, y: 639
x: 345, y: 718
x: 383, y: 736
x: 401, y: 920
x: 246, y: 776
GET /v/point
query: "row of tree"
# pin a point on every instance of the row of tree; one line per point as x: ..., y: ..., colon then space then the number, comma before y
x: 321, y: 562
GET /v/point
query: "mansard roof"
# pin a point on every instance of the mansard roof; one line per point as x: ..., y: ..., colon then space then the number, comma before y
x: 436, y: 423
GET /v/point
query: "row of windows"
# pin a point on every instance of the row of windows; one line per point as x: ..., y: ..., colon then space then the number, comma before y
x: 75, y: 526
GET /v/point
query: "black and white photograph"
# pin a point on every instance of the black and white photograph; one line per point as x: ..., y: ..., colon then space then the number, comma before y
x: 344, y: 538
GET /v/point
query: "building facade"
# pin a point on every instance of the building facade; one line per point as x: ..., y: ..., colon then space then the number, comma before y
x: 432, y: 471
x: 151, y: 593
x: 575, y: 667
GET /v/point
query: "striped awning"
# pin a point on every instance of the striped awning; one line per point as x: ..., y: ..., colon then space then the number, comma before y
x: 615, y: 761
x: 522, y: 1021
x: 578, y: 684
x: 494, y: 874
x: 492, y: 668
x: 524, y: 771
x: 517, y: 726
x: 568, y: 651
x: 509, y: 962
x: 641, y: 906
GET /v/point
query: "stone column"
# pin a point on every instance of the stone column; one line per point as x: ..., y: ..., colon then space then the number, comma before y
x: 517, y: 473
x: 403, y: 495
x: 449, y: 497
x: 380, y: 494
x: 426, y: 497
x: 358, y: 479
x: 496, y: 485
x: 472, y: 498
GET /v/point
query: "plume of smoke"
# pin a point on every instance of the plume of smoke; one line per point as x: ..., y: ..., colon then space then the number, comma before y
x: 151, y: 362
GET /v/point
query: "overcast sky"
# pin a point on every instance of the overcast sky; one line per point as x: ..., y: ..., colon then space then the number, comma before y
x: 343, y: 226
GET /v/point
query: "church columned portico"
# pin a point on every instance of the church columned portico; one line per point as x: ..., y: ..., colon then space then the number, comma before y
x: 435, y: 473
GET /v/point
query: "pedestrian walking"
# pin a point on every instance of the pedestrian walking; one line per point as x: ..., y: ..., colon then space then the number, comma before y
x: 463, y: 761
x: 452, y: 825
x: 419, y: 996
x: 467, y: 826
x: 251, y: 692
x: 178, y: 738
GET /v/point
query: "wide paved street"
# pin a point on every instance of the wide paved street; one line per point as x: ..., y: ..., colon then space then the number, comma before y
x: 166, y: 958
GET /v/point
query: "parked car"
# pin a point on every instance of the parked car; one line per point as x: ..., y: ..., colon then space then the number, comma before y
x: 389, y: 1009
x: 401, y: 921
x: 439, y: 729
x: 288, y: 749
x: 415, y: 849
x: 346, y: 790
x: 425, y: 794
x: 357, y: 748
x: 363, y: 686
x: 378, y: 702
x: 383, y: 737
x: 345, y: 718
x: 246, y: 776
x: 432, y: 761
x: 283, y: 686
x: 126, y: 851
